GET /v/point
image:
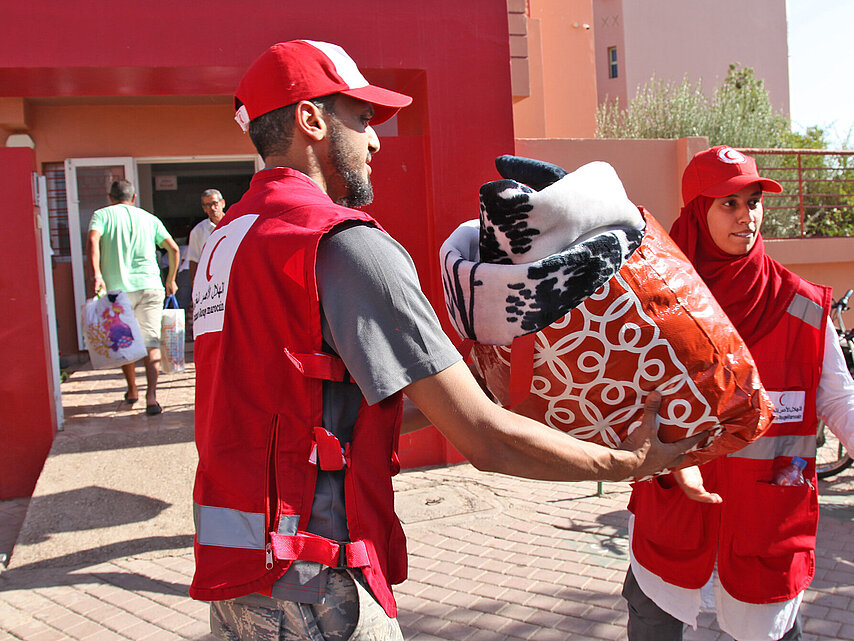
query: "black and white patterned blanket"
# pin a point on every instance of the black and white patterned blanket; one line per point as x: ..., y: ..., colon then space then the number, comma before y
x: 546, y: 240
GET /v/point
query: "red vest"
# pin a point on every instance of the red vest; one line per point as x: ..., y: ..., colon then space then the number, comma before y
x: 762, y: 535
x: 259, y: 373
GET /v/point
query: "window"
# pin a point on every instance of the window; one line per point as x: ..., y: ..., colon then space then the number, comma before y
x: 57, y: 210
x: 612, y: 62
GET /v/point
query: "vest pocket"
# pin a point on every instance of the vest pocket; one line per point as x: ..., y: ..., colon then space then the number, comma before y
x: 668, y: 518
x: 779, y: 520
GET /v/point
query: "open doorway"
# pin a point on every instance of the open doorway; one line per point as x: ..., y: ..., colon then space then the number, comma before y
x: 172, y: 190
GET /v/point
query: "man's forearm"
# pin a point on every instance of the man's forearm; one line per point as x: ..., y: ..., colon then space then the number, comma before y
x: 497, y: 440
x: 519, y: 446
x: 413, y: 418
x: 173, y: 264
x: 93, y: 250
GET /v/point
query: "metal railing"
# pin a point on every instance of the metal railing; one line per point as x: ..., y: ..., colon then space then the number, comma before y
x: 818, y: 192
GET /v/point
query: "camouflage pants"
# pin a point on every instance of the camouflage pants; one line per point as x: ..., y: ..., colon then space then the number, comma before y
x: 349, y: 613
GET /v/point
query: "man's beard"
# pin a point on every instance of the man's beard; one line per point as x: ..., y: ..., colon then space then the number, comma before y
x: 358, y: 190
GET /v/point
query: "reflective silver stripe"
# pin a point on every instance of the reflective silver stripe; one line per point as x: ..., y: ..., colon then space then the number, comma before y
x: 805, y: 309
x: 769, y: 447
x: 288, y: 524
x: 223, y: 527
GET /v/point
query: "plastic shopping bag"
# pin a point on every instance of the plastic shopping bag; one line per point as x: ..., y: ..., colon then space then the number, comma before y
x: 172, y: 337
x: 111, y: 331
x: 584, y: 362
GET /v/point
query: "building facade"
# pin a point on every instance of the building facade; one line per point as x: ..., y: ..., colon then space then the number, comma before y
x: 637, y: 40
x: 144, y: 91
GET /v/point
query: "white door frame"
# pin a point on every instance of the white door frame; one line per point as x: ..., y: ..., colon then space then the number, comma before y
x: 40, y: 184
x: 132, y: 174
x: 154, y: 160
x: 77, y: 249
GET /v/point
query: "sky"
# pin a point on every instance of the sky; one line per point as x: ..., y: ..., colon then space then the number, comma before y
x: 821, y: 67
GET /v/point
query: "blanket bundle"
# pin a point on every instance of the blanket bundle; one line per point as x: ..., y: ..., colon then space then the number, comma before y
x: 579, y: 304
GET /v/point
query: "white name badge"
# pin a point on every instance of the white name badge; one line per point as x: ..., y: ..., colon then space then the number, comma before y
x: 210, y: 289
x: 789, y: 405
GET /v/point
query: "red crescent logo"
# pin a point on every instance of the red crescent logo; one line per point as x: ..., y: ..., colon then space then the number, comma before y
x: 210, y: 258
x: 731, y: 156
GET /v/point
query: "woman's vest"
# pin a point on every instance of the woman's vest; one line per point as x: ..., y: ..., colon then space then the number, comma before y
x: 259, y: 375
x: 762, y: 535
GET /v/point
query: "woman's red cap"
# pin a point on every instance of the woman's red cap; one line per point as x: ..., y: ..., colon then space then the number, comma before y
x: 722, y: 171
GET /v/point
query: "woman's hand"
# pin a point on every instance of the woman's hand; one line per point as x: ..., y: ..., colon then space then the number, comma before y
x: 691, y: 481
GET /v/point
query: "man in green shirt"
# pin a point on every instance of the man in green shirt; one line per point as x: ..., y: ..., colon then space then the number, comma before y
x: 122, y: 249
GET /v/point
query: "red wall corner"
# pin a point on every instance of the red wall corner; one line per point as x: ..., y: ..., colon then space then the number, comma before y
x: 27, y: 406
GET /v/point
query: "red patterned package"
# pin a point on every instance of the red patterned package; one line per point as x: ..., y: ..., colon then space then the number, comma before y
x: 652, y: 325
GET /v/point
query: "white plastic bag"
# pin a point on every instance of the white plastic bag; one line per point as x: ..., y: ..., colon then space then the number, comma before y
x: 172, y: 337
x: 112, y: 332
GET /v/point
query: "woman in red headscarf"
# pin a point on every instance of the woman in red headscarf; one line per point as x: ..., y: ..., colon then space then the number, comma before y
x: 726, y: 535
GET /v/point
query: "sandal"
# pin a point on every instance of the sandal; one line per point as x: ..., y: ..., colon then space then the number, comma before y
x: 153, y: 410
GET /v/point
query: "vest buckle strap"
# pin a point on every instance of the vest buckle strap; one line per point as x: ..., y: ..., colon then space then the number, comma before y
x: 353, y: 555
x: 327, y: 452
x: 311, y: 547
x: 319, y: 365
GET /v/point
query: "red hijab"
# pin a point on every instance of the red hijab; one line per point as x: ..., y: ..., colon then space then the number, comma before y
x: 754, y: 289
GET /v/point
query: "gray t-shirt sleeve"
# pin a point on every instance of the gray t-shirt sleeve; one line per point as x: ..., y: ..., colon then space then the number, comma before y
x: 376, y: 317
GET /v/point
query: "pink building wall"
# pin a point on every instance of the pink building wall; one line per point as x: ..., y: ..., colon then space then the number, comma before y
x: 672, y: 38
x: 651, y: 170
x: 561, y: 70
x: 608, y: 32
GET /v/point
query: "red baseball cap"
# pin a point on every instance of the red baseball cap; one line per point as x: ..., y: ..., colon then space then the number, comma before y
x: 304, y: 69
x: 721, y: 171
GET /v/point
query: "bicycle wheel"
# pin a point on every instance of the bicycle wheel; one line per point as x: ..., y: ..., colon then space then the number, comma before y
x: 831, y: 457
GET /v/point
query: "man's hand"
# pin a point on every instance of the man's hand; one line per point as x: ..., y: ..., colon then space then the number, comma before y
x: 651, y: 454
x: 99, y: 285
x: 691, y: 481
x: 171, y: 287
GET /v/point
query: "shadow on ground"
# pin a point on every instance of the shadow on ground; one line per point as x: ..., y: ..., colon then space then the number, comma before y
x: 73, y: 569
x: 84, y: 509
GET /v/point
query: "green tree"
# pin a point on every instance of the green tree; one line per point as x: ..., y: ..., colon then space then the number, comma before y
x: 741, y: 114
x: 822, y: 185
x: 659, y: 110
x: 738, y: 114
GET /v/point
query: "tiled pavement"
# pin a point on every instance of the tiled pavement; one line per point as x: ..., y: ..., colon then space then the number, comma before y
x: 491, y: 557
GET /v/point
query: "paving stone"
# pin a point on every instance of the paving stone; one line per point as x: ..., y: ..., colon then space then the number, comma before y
x: 535, y: 561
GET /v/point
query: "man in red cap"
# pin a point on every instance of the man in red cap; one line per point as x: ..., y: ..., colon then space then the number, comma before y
x: 310, y: 326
